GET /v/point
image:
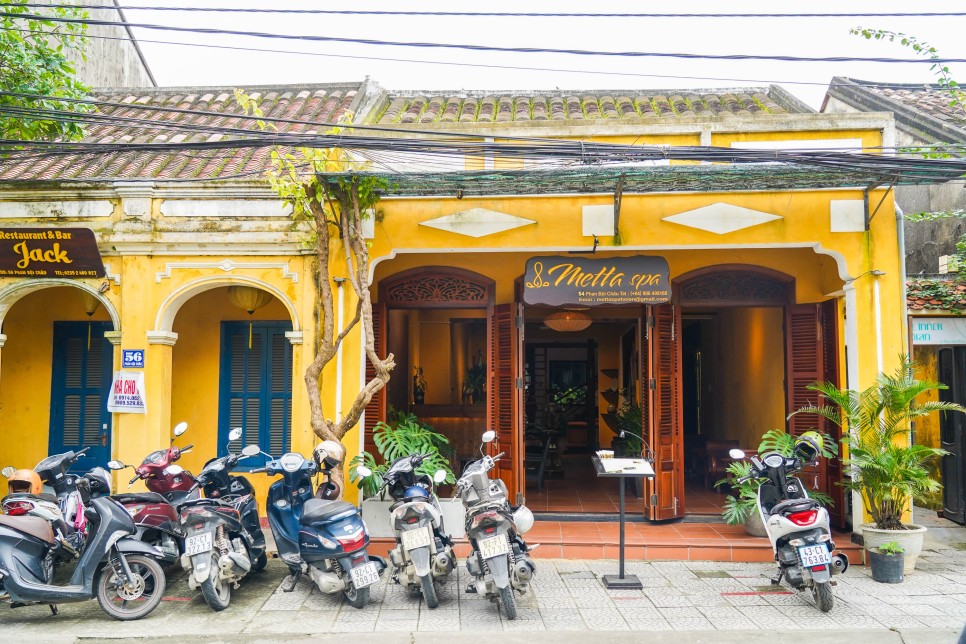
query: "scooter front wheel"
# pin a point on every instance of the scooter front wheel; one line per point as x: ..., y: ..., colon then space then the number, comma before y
x: 357, y: 597
x: 823, y: 596
x: 215, y: 590
x: 125, y: 601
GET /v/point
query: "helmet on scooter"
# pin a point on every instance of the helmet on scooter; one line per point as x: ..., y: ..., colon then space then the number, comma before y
x: 24, y: 482
x: 100, y: 482
x: 523, y: 519
x: 416, y: 492
x: 329, y: 453
x: 808, y: 446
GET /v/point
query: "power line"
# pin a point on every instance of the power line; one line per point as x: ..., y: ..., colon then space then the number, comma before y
x: 494, y: 14
x: 486, y: 48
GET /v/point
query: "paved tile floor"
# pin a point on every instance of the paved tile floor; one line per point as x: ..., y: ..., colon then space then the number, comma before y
x: 566, y: 596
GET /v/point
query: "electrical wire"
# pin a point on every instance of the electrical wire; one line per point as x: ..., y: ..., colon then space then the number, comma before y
x: 487, y: 48
x: 490, y: 14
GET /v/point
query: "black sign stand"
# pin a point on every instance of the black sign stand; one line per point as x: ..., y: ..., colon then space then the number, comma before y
x: 622, y: 581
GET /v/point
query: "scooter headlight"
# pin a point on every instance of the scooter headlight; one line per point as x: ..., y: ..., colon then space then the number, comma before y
x: 291, y: 462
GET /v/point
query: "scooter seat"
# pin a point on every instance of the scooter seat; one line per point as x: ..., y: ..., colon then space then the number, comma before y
x: 34, y: 526
x: 319, y: 510
x: 795, y: 505
x: 139, y: 497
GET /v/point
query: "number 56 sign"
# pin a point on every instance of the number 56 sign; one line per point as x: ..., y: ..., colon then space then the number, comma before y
x: 132, y: 358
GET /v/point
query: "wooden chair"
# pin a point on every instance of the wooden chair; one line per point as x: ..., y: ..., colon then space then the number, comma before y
x: 718, y: 461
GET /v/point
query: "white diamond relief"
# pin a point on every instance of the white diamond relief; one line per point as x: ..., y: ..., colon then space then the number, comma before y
x: 721, y: 218
x: 477, y: 222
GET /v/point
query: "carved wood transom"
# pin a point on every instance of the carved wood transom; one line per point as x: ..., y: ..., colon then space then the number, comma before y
x: 436, y: 290
x: 733, y: 287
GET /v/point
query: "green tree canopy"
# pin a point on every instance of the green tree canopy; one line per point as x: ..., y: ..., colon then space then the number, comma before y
x: 33, y: 61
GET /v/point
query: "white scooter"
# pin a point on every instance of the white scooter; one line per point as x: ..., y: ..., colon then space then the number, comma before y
x: 797, y: 526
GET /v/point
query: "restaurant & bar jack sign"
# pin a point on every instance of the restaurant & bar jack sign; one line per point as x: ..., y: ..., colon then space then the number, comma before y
x: 565, y: 281
x: 49, y: 252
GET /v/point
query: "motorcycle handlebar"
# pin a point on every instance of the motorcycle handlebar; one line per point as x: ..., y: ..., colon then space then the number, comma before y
x: 81, y: 452
x: 186, y: 448
x: 258, y: 470
x: 136, y: 478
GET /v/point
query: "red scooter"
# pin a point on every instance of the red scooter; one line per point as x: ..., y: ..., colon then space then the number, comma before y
x: 155, y: 513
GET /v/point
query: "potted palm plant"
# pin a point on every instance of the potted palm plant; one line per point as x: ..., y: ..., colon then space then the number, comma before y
x: 419, y: 386
x: 886, y: 469
x: 741, y: 506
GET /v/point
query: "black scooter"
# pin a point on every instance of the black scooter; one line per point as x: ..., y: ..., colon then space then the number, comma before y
x: 120, y: 571
x: 223, y: 539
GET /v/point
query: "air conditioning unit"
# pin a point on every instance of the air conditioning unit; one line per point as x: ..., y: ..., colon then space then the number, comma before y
x: 948, y: 264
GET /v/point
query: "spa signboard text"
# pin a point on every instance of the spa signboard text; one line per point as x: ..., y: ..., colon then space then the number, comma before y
x: 569, y: 281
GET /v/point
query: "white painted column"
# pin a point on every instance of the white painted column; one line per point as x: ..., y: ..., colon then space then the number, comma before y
x: 852, y: 374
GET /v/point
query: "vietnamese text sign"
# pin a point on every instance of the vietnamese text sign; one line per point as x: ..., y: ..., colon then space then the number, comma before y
x: 939, y: 331
x: 132, y: 358
x: 49, y: 252
x: 127, y: 393
x: 557, y: 281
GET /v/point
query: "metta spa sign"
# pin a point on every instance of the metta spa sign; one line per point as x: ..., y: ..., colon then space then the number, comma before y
x: 560, y: 281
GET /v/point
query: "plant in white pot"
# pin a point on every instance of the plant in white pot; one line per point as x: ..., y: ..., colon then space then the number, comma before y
x: 885, y: 468
x: 741, y: 506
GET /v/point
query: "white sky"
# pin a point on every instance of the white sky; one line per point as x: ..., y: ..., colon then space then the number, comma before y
x: 183, y: 65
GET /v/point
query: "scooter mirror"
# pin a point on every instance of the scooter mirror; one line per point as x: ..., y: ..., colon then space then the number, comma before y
x: 251, y: 450
x: 235, y: 434
x: 180, y: 428
x: 363, y: 471
x: 736, y: 453
x: 173, y: 470
x: 7, y: 471
x: 439, y: 476
x: 116, y: 465
x: 488, y: 436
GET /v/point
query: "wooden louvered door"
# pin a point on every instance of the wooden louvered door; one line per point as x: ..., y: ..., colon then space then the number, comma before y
x: 805, y: 357
x: 377, y: 408
x: 502, y: 416
x: 80, y: 382
x: 256, y: 387
x: 830, y: 373
x: 665, y: 499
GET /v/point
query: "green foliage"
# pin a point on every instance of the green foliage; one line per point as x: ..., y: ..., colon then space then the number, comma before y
x: 947, y: 295
x: 886, y: 471
x: 744, y: 496
x: 33, y: 61
x: 419, y: 380
x: 629, y: 419
x: 474, y: 382
x: 403, y: 435
x: 891, y: 548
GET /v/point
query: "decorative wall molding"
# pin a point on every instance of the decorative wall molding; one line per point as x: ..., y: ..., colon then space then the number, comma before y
x: 228, y: 208
x: 721, y: 218
x: 294, y: 337
x: 436, y: 287
x: 227, y: 266
x: 114, y: 337
x: 109, y: 276
x: 721, y: 285
x: 167, y: 338
x: 477, y: 222
x: 88, y: 209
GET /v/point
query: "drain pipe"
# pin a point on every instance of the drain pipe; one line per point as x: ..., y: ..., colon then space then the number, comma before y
x: 901, y: 236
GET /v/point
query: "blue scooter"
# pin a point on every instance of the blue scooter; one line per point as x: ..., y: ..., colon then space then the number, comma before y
x: 317, y: 534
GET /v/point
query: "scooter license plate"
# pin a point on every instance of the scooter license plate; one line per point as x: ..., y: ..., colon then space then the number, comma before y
x: 418, y: 538
x: 494, y: 546
x: 365, y: 575
x: 197, y: 544
x: 814, y: 555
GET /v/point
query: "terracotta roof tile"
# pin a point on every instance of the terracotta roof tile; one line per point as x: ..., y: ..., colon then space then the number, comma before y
x: 320, y: 104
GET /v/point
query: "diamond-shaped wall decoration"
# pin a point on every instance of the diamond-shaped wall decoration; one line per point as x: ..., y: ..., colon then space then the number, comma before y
x: 477, y: 222
x: 721, y: 218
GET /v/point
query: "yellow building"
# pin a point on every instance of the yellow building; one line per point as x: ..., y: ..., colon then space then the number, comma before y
x: 779, y: 274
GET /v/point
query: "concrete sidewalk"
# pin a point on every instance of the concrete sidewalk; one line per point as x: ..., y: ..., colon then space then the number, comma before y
x: 710, y: 601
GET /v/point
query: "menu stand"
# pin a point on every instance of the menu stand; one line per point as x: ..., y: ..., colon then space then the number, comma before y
x: 623, y: 468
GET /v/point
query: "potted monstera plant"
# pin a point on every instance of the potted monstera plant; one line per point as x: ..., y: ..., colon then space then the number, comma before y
x: 886, y: 470
x: 741, y: 506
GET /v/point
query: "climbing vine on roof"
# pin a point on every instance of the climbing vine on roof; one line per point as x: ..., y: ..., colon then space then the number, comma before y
x: 937, y: 294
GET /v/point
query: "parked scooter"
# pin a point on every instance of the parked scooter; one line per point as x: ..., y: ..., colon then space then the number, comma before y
x: 156, y: 512
x: 223, y: 537
x: 423, y: 550
x: 797, y: 526
x: 319, y: 534
x: 117, y: 569
x: 500, y: 560
x: 27, y: 499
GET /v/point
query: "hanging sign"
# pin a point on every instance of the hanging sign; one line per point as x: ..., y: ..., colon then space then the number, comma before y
x: 127, y: 393
x: 49, y: 252
x: 939, y: 330
x: 561, y: 281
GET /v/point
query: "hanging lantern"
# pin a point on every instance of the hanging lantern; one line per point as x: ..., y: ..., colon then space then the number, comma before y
x: 91, y: 304
x: 568, y: 321
x: 248, y: 299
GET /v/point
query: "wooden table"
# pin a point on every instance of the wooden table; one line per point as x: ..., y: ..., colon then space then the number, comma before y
x: 622, y: 468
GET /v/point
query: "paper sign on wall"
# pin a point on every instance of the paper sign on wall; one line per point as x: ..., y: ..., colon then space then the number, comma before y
x: 127, y: 393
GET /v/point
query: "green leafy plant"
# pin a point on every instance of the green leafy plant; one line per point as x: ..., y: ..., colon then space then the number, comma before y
x: 403, y: 435
x: 891, y: 548
x: 474, y: 382
x: 886, y: 470
x: 743, y: 499
x: 419, y: 380
x: 629, y: 419
x: 947, y: 295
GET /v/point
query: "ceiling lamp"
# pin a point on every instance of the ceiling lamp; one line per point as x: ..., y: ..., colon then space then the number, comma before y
x: 567, y: 321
